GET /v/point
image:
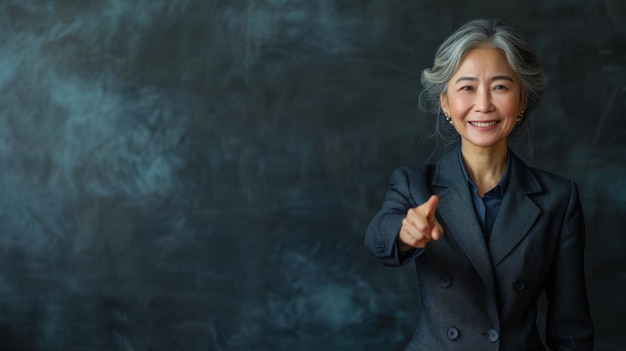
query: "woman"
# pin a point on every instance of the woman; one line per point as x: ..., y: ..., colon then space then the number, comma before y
x: 488, y: 234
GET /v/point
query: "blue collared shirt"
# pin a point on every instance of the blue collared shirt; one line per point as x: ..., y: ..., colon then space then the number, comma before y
x: 488, y: 206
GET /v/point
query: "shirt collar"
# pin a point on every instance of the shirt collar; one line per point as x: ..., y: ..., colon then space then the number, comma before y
x: 502, y: 184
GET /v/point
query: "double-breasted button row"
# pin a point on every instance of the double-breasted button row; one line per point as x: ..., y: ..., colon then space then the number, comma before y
x: 453, y: 333
x: 445, y: 281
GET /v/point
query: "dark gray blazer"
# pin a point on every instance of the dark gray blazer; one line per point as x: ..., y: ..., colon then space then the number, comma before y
x: 478, y: 295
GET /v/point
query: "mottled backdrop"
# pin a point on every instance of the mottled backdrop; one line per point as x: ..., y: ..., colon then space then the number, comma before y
x: 198, y: 174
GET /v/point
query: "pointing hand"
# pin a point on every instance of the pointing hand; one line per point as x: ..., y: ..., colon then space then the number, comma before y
x: 420, y: 226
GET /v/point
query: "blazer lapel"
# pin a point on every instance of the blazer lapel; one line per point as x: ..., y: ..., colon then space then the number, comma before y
x: 457, y: 216
x: 517, y: 214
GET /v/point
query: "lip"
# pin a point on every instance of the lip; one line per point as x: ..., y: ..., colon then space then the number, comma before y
x: 483, y: 125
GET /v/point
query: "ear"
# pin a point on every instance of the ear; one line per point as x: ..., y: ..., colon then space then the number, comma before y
x: 443, y: 100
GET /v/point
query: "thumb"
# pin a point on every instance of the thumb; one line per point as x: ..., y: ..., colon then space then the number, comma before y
x: 436, y: 231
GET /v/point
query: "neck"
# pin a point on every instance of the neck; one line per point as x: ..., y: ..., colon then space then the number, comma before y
x: 485, y: 166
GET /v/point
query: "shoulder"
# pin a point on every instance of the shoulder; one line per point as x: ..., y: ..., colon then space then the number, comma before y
x: 428, y: 171
x: 556, y: 191
x: 537, y: 180
x: 414, y: 181
x: 413, y: 175
x: 414, y: 172
x: 552, y: 181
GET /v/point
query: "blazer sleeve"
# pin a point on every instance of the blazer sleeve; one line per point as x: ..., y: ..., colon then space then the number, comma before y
x: 569, y: 325
x: 383, y: 230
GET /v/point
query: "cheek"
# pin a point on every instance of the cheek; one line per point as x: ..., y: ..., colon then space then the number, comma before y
x: 460, y: 105
x: 509, y: 106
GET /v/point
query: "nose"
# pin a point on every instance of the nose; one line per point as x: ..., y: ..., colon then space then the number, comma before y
x: 483, y: 100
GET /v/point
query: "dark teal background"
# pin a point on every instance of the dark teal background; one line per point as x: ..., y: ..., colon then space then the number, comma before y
x: 198, y: 175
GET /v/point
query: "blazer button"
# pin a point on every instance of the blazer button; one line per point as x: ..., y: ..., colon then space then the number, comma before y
x: 493, y: 335
x: 453, y: 333
x: 445, y: 281
x: 519, y: 285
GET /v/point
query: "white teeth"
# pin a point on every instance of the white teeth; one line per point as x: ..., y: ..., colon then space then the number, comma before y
x: 483, y: 124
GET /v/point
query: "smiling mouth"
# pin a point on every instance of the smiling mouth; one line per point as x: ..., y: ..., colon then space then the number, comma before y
x: 483, y: 124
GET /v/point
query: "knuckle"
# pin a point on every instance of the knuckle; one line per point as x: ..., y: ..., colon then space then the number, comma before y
x: 421, y: 226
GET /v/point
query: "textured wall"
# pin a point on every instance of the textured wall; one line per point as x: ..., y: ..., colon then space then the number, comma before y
x: 198, y: 174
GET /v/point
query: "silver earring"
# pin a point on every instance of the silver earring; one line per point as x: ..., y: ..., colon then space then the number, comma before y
x: 448, y: 118
x: 519, y: 118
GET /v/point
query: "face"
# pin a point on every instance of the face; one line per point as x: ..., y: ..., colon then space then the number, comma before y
x: 483, y: 98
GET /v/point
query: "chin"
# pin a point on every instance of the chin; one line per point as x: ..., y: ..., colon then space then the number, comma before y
x: 486, y: 143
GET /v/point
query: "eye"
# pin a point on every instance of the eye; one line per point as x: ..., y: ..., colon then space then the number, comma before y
x: 500, y: 87
x: 466, y: 88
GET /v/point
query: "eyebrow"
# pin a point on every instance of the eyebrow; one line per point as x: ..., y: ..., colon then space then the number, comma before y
x: 494, y: 78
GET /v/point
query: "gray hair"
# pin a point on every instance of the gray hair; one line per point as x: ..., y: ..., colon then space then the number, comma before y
x: 479, y: 33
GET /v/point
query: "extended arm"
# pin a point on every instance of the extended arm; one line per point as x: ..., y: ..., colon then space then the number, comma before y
x: 399, y: 232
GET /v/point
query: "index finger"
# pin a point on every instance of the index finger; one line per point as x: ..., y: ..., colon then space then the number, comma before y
x: 430, y: 207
